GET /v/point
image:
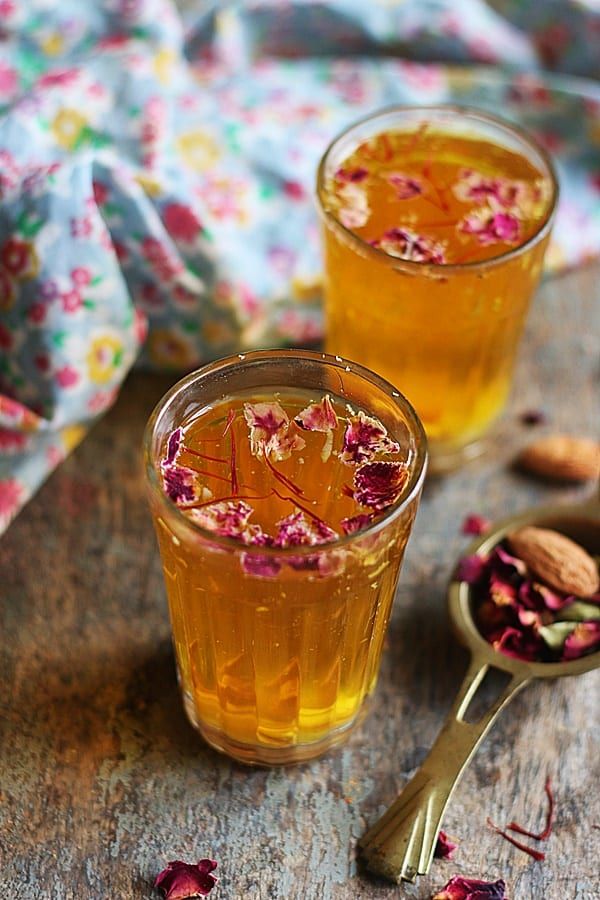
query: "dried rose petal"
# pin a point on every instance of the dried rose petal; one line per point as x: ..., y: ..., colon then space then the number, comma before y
x: 379, y: 484
x: 475, y: 525
x: 181, y: 881
x: 296, y: 530
x: 318, y: 416
x: 404, y: 186
x: 262, y: 566
x: 228, y: 518
x: 352, y: 175
x: 364, y: 437
x: 270, y: 431
x: 584, y: 638
x: 474, y: 186
x: 459, y: 888
x: 504, y: 562
x: 444, y: 847
x: 533, y: 417
x: 537, y: 596
x: 407, y: 244
x: 471, y: 568
x: 354, y: 209
x: 501, y: 591
x: 352, y: 524
x: 179, y: 483
x: 491, y: 227
x: 521, y: 643
x: 173, y: 446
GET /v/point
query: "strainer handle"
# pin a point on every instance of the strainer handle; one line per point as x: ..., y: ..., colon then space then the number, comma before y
x: 400, y: 845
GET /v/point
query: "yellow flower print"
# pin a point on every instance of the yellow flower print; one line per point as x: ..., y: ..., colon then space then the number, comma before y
x: 198, y: 150
x: 150, y: 185
x: 163, y: 65
x: 169, y: 351
x: 67, y: 126
x: 52, y: 44
x: 103, y: 358
x: 71, y: 435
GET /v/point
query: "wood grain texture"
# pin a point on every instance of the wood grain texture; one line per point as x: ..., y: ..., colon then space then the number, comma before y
x: 102, y: 780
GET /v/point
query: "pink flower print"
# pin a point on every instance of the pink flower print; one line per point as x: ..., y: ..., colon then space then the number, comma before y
x: 66, y: 376
x: 100, y: 192
x: 293, y: 190
x: 8, y: 80
x: 6, y: 338
x: 165, y: 265
x: 7, y: 8
x: 8, y: 290
x: 11, y: 492
x: 121, y: 251
x: 36, y: 313
x: 42, y: 362
x: 181, y: 222
x: 49, y: 289
x: 140, y: 326
x: 12, y: 441
x: 81, y: 276
x: 101, y: 400
x: 71, y: 301
x: 81, y: 227
x: 62, y: 78
x: 491, y: 227
x: 19, y: 258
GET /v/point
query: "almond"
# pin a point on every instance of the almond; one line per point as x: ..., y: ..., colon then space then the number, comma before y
x: 562, y: 457
x: 556, y: 560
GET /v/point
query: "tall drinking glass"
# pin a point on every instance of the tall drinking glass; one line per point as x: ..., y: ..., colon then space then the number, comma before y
x: 277, y: 648
x: 435, y: 222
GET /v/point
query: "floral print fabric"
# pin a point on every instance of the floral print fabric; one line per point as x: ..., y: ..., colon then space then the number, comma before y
x: 157, y: 166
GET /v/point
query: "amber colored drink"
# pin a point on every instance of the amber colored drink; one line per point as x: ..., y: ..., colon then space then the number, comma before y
x: 280, y: 583
x: 435, y: 223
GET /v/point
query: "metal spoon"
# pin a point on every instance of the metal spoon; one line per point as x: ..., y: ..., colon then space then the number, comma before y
x: 400, y: 845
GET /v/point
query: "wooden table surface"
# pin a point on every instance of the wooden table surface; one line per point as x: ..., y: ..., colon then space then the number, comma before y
x: 102, y: 780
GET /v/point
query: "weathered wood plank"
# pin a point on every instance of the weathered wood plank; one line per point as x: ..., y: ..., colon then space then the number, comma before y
x: 103, y: 780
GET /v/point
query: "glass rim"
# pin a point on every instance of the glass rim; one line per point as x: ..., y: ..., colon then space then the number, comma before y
x: 417, y: 469
x: 472, y: 113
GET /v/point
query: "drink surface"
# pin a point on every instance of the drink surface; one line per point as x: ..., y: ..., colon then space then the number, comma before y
x: 430, y: 196
x: 277, y: 653
x: 446, y: 337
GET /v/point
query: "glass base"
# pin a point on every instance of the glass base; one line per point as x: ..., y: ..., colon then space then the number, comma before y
x: 444, y: 459
x: 262, y: 755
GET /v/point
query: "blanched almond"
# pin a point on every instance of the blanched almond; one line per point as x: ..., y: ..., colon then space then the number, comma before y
x: 556, y: 560
x: 562, y: 457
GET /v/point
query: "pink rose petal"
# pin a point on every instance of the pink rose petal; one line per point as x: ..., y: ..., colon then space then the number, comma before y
x: 492, y: 227
x: 379, y: 484
x: 405, y: 187
x: 270, y: 431
x: 182, y: 881
x: 318, y: 416
x: 585, y: 637
x: 179, y: 483
x: 228, y: 518
x: 364, y: 437
x: 475, y: 525
x: 459, y: 888
x: 444, y: 847
x: 407, y: 244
